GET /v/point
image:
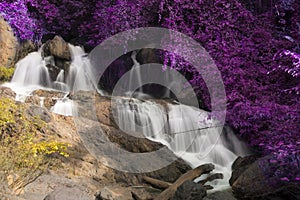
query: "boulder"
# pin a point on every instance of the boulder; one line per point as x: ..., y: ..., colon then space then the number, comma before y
x: 239, y: 166
x: 66, y: 193
x: 58, y: 56
x: 252, y: 182
x: 40, y: 112
x: 190, y: 190
x: 44, y: 98
x: 7, y: 92
x: 220, y: 195
x: 57, y: 48
x: 8, y: 44
x: 24, y: 49
x: 123, y: 193
x: 148, y: 55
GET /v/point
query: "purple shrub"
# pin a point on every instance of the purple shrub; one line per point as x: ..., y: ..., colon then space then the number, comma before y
x: 17, y: 14
x: 256, y: 54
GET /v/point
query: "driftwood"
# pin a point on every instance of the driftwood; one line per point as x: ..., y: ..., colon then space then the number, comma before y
x: 170, y: 188
x: 157, y: 183
x: 190, y: 175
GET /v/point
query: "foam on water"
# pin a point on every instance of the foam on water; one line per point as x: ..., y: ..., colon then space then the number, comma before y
x: 64, y: 107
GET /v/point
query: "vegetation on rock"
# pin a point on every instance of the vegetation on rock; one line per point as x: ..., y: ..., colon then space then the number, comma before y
x: 24, y: 148
x: 6, y: 74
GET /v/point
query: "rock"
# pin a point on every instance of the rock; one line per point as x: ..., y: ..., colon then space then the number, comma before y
x: 66, y: 193
x: 107, y: 194
x: 190, y: 190
x: 24, y: 49
x: 252, y: 183
x: 148, y: 55
x: 8, y: 44
x: 7, y: 93
x: 239, y: 166
x: 40, y: 112
x: 53, y: 71
x: 126, y: 141
x: 123, y: 193
x: 44, y: 98
x: 59, y: 56
x: 220, y: 195
x: 57, y: 48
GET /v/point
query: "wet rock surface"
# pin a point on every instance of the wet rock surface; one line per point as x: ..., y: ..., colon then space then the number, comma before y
x: 57, y: 55
x: 124, y: 193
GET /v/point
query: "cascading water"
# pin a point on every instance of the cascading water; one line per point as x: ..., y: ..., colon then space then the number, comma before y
x: 80, y: 76
x: 32, y: 70
x: 64, y: 107
x: 32, y: 73
x: 135, y: 78
x: 183, y: 129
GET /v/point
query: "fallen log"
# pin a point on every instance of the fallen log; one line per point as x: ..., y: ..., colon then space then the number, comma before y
x: 190, y: 175
x: 157, y: 183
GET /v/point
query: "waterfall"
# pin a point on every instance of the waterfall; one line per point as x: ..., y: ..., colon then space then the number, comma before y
x: 32, y: 70
x: 64, y: 107
x: 185, y: 130
x: 135, y: 75
x: 32, y: 74
x: 80, y: 76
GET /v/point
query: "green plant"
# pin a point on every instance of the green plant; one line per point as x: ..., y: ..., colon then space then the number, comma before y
x: 6, y: 74
x: 24, y: 149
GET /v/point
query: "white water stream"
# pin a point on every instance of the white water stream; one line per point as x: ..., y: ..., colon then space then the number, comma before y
x: 32, y: 74
x: 183, y: 129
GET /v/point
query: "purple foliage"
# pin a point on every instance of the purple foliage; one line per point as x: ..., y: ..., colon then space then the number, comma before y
x: 256, y: 55
x: 16, y: 13
x: 262, y: 92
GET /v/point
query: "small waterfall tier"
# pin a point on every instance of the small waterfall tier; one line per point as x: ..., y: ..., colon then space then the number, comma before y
x: 32, y: 73
x: 185, y: 130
